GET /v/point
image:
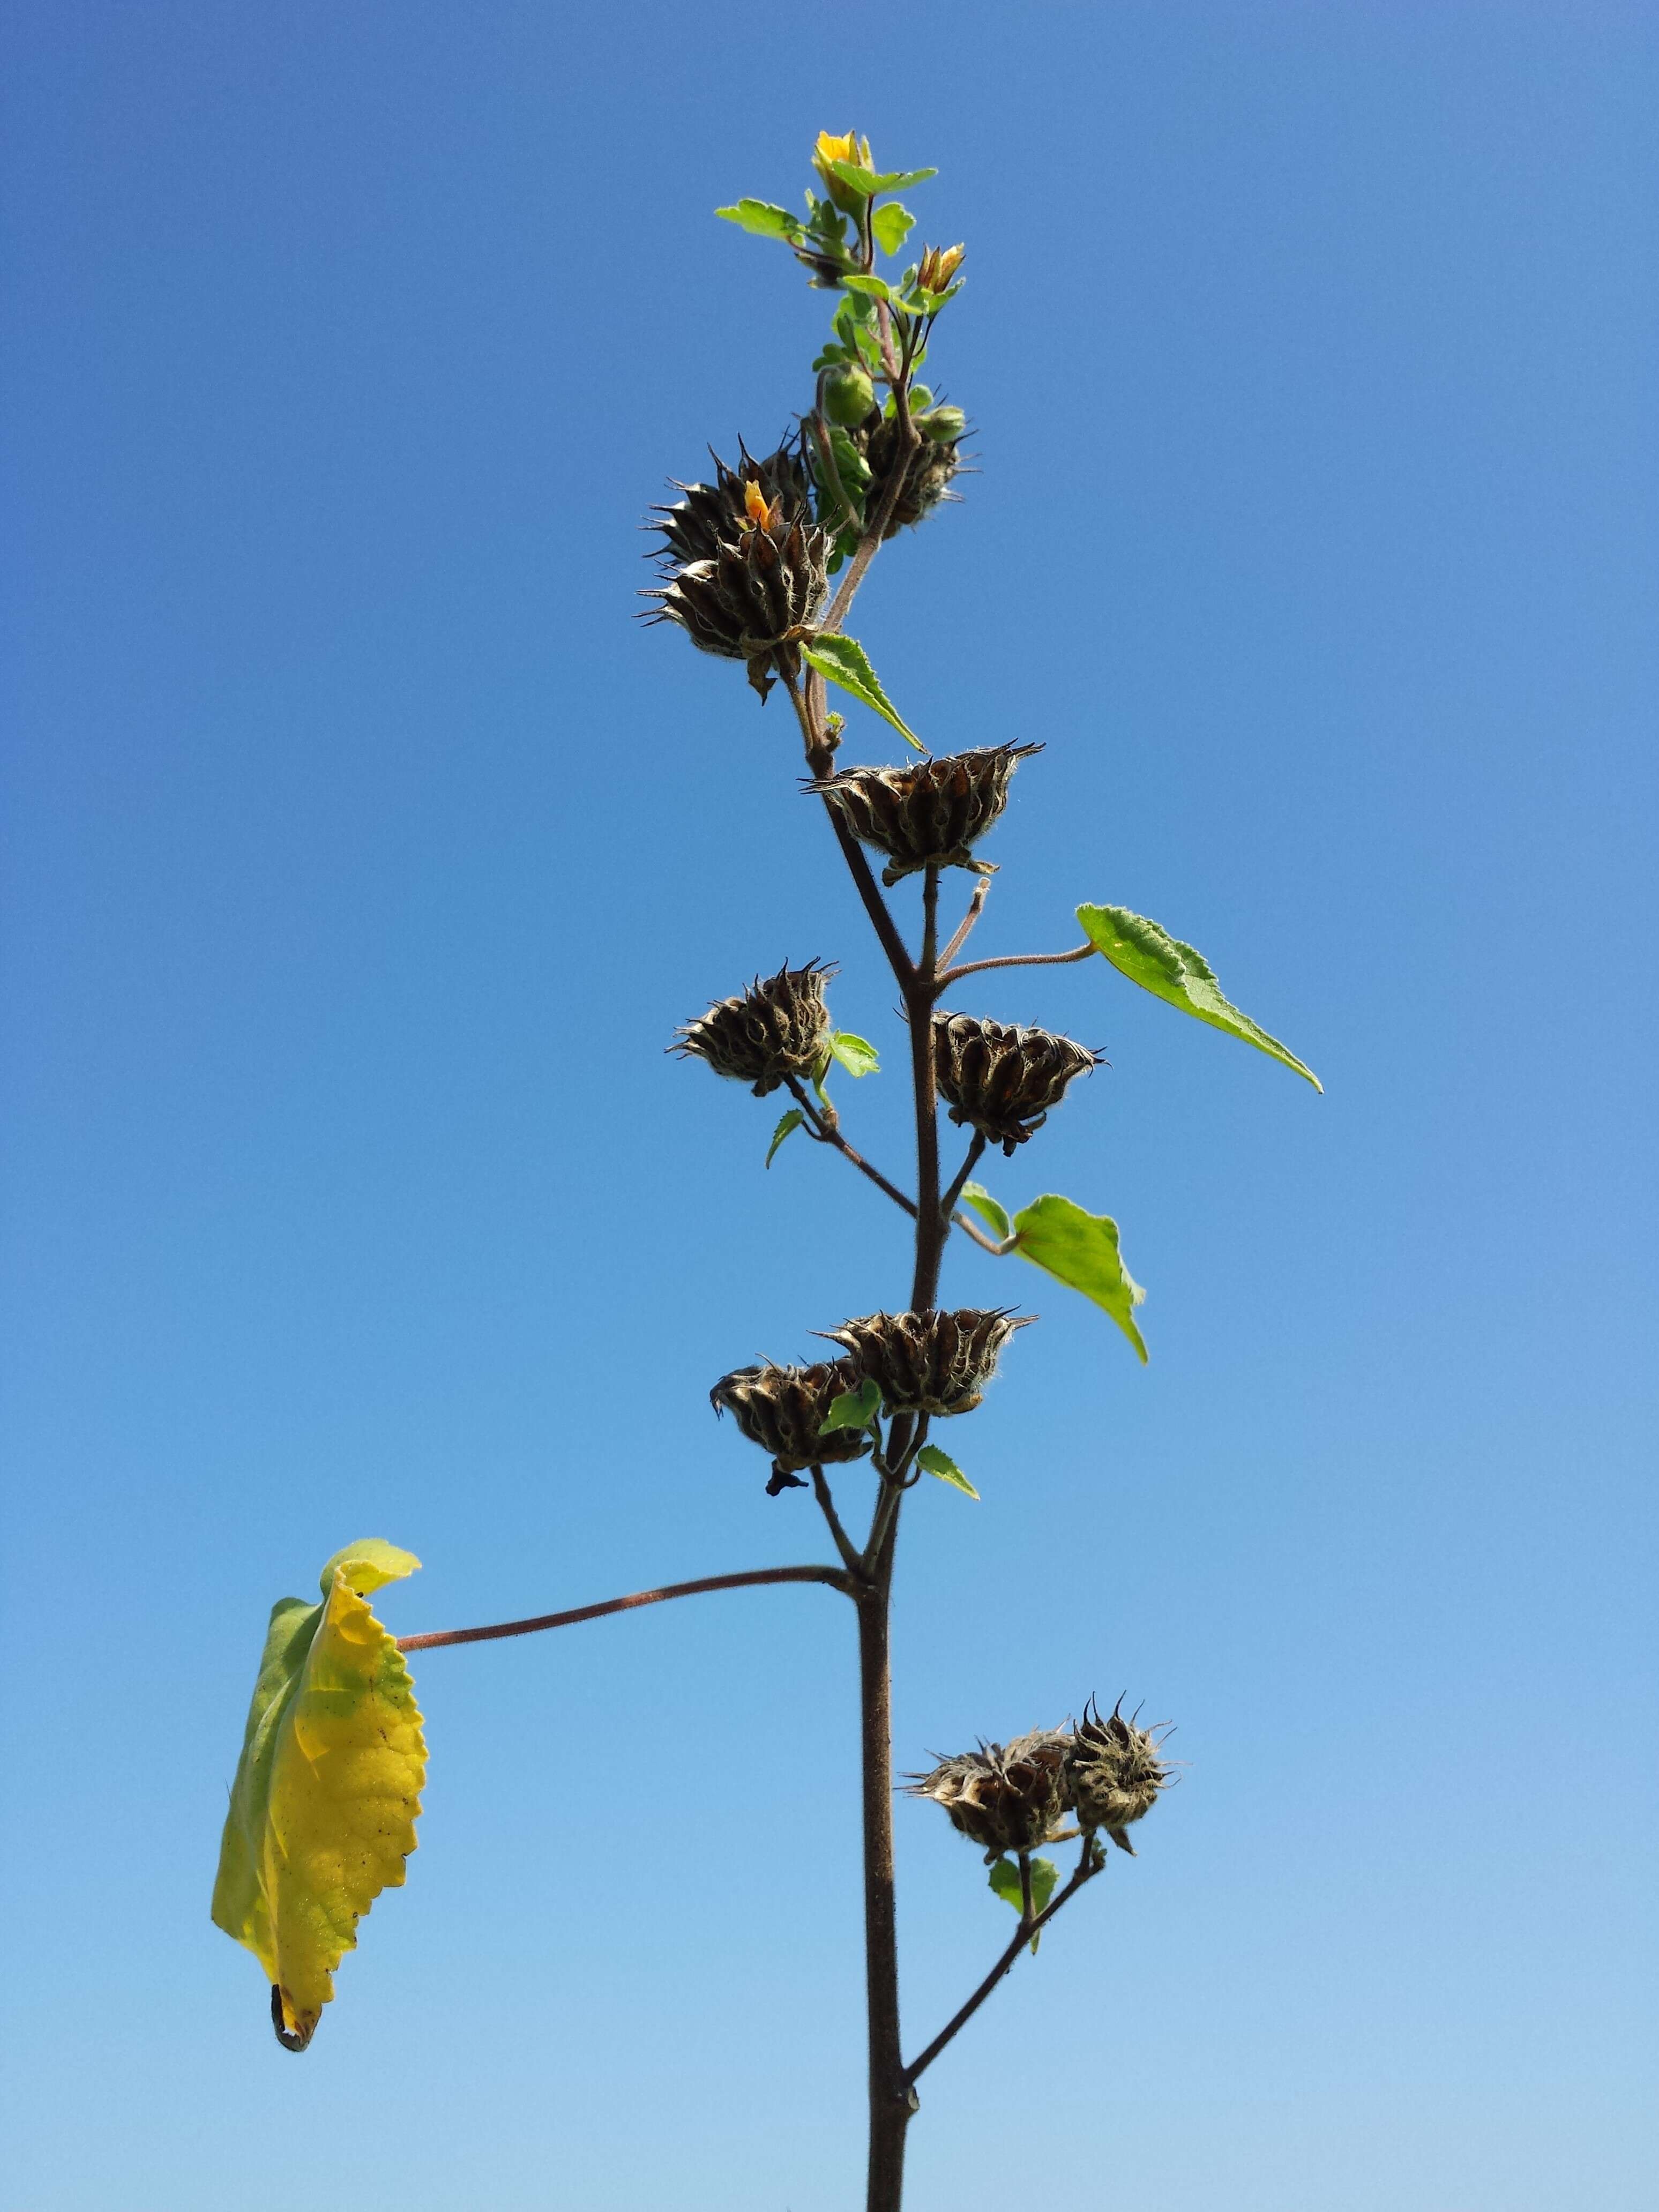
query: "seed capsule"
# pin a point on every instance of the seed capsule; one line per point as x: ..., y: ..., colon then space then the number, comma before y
x: 1000, y: 1079
x: 1004, y: 1798
x: 782, y: 1409
x: 780, y: 1026
x: 1114, y: 1773
x: 927, y: 814
x: 928, y: 1362
x: 709, y: 516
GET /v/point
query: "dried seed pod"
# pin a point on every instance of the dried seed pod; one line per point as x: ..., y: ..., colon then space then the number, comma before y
x: 758, y: 594
x: 928, y: 1362
x: 1002, y: 1080
x: 1004, y: 1798
x: 780, y: 1026
x: 929, y: 813
x: 1115, y: 1772
x: 782, y: 1409
x: 927, y: 471
x: 713, y: 515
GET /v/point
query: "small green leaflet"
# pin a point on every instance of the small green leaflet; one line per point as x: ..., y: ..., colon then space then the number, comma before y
x: 941, y: 1464
x: 1081, y: 1251
x: 869, y: 182
x: 762, y: 220
x: 976, y: 1195
x: 853, y: 1409
x: 873, y: 287
x: 843, y: 660
x: 1004, y: 1880
x: 1179, y: 975
x: 892, y: 225
x: 856, y: 1054
x: 791, y: 1122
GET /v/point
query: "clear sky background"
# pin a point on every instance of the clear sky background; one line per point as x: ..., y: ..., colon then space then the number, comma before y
x: 364, y: 854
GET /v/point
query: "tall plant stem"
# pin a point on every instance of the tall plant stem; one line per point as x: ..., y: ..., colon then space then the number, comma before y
x: 892, y: 2098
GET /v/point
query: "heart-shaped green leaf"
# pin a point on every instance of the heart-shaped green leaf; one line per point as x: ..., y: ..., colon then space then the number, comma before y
x: 1179, y: 975
x: 1081, y: 1251
x: 853, y: 1409
x: 892, y: 225
x: 856, y: 1053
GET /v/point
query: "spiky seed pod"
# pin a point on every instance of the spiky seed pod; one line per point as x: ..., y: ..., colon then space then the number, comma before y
x: 780, y: 1409
x: 1004, y: 1798
x: 1115, y: 1772
x: 1002, y: 1080
x: 927, y: 472
x: 780, y: 1026
x: 928, y: 1362
x: 759, y: 593
x: 927, y: 814
x: 713, y: 515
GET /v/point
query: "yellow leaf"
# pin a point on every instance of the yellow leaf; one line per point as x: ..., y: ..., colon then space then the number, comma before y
x: 322, y: 1811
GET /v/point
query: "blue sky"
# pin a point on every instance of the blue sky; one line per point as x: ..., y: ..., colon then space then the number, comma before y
x: 364, y: 854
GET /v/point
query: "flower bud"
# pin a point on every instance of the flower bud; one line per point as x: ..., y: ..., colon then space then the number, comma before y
x: 780, y: 1026
x: 1006, y: 1798
x: 928, y: 1362
x: 849, y: 396
x: 1115, y: 1773
x: 781, y: 1410
x: 848, y: 146
x: 938, y: 266
x: 927, y: 814
x: 1000, y: 1079
x: 944, y: 425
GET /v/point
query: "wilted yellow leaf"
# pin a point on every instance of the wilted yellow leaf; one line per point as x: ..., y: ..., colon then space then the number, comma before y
x: 322, y: 1810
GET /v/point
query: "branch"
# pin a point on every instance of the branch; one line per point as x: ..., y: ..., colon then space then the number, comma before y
x: 752, y: 1580
x: 844, y: 1543
x: 893, y: 1487
x: 948, y: 1203
x: 1015, y: 960
x: 828, y: 1133
x: 1087, y: 1867
x: 965, y: 928
x: 986, y: 1244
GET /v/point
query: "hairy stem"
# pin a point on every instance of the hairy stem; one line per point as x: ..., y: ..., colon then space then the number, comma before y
x: 827, y: 1132
x: 1015, y: 960
x: 844, y: 1543
x: 1088, y: 1867
x: 435, y: 1638
x: 965, y: 927
x: 892, y: 2098
x: 975, y: 1151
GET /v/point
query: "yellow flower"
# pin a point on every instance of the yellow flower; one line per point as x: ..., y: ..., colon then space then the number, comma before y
x: 849, y: 148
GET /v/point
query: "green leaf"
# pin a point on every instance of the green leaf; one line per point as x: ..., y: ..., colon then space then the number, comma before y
x: 1179, y: 975
x: 1004, y: 1880
x: 762, y: 220
x: 323, y: 1807
x: 872, y: 287
x: 1081, y: 1251
x: 843, y: 660
x: 787, y: 1127
x: 869, y: 182
x: 941, y: 1464
x: 993, y: 1217
x: 892, y: 225
x: 853, y: 1409
x: 856, y: 1054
